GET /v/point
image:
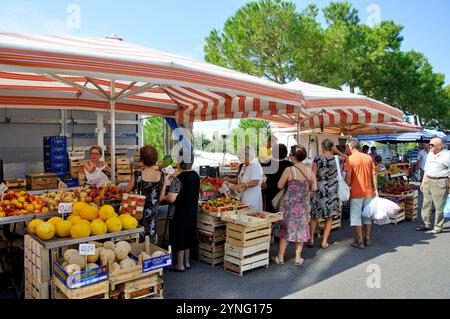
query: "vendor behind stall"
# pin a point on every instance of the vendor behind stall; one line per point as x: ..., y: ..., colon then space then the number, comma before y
x: 94, y: 167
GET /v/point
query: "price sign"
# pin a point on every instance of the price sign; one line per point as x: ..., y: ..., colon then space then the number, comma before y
x: 87, y: 249
x: 65, y: 208
x: 3, y: 188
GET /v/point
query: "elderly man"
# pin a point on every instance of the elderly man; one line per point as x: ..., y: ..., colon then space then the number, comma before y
x: 435, y: 186
x: 362, y: 178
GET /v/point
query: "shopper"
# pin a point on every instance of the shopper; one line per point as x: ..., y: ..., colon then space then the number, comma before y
x: 299, y: 181
x: 248, y: 183
x: 273, y: 171
x: 422, y: 159
x: 361, y: 176
x: 325, y: 204
x: 94, y: 167
x: 381, y: 168
x: 148, y: 181
x: 373, y: 152
x: 183, y: 197
x: 365, y: 149
x: 435, y: 186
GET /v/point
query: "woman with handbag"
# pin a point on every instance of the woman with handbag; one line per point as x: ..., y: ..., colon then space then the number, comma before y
x: 326, y: 203
x: 296, y: 205
x: 148, y: 181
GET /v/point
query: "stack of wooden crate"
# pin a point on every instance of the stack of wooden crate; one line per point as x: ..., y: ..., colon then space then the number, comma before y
x: 211, y: 234
x: 411, y: 206
x: 41, y: 181
x: 123, y: 169
x: 37, y: 270
x: 400, y: 200
x: 246, y: 247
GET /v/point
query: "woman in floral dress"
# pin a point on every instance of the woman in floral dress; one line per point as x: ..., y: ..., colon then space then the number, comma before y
x: 325, y: 204
x: 299, y: 182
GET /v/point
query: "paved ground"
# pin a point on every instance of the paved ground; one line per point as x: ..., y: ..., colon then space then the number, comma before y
x: 412, y: 265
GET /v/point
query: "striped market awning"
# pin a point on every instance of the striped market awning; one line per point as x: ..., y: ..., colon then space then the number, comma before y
x: 56, y: 71
x: 330, y: 108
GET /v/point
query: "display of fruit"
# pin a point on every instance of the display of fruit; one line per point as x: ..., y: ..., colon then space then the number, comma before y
x: 225, y: 204
x: 396, y: 187
x: 211, y: 184
x: 107, y: 211
x: 22, y: 203
x: 79, y: 227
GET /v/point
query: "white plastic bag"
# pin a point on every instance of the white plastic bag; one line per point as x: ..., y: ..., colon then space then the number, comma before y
x: 380, y: 208
x: 447, y: 208
x: 343, y: 189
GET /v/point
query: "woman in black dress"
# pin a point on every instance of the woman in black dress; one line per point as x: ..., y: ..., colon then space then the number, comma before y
x: 148, y: 182
x: 183, y: 197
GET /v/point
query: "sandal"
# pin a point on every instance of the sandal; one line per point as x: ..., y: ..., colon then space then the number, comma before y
x: 299, y: 263
x: 423, y: 228
x: 326, y: 246
x: 277, y: 261
x: 358, y: 245
x: 368, y: 242
x: 435, y: 231
x: 310, y: 244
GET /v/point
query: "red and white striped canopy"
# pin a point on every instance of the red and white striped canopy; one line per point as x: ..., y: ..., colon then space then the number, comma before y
x: 51, y: 71
x: 357, y: 129
x: 334, y: 108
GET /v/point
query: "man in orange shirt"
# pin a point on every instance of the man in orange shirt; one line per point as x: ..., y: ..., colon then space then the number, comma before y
x: 362, y: 178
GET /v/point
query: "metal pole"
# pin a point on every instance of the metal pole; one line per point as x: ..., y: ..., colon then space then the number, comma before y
x: 298, y: 127
x: 113, y: 132
x: 100, y: 133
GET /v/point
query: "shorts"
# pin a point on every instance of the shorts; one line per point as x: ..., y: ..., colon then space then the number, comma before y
x: 357, y: 206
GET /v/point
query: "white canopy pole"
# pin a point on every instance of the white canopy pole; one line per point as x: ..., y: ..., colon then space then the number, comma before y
x: 113, y: 132
x: 298, y: 127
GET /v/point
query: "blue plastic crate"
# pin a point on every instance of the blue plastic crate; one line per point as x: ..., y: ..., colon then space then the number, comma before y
x: 57, y: 165
x: 70, y: 182
x: 54, y: 144
x: 57, y: 155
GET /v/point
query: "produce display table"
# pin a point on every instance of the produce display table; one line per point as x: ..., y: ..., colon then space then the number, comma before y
x: 25, y: 218
x: 39, y: 257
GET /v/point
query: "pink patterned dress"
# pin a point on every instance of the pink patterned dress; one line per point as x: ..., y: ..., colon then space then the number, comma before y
x: 296, y: 208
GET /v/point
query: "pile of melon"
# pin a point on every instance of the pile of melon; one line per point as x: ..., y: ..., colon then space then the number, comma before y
x: 86, y: 220
x: 114, y: 255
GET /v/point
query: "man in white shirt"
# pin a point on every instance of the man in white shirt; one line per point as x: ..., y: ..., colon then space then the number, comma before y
x: 435, y: 186
x: 422, y: 158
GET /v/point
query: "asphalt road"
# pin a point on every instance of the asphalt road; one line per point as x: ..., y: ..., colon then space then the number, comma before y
x: 410, y: 264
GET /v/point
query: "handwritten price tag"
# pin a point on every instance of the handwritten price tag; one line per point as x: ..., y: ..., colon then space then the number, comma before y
x: 87, y: 249
x: 3, y: 188
x: 65, y: 208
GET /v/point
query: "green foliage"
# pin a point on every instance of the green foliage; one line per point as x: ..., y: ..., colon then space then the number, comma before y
x: 270, y: 38
x: 153, y: 134
x: 200, y: 141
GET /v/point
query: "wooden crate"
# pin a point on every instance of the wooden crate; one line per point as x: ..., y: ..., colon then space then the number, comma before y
x: 335, y: 224
x: 411, y: 214
x: 239, y: 265
x: 123, y: 178
x: 41, y: 181
x: 16, y: 184
x: 397, y: 218
x: 37, y: 260
x: 208, y: 222
x: 99, y: 290
x: 242, y: 236
x: 211, y: 253
x: 142, y: 288
x: 81, y: 178
x: 75, y: 167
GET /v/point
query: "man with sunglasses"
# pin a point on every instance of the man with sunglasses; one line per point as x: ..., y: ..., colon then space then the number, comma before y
x: 435, y: 186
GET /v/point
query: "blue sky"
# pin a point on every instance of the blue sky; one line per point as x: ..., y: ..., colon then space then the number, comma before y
x: 180, y: 26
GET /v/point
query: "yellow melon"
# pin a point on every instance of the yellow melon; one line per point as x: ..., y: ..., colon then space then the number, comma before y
x: 63, y: 228
x: 90, y: 212
x: 80, y: 230
x: 33, y: 224
x: 74, y: 219
x: 114, y: 224
x: 106, y: 212
x: 94, y: 258
x: 55, y: 220
x: 78, y: 207
x: 45, y: 231
x: 129, y: 222
x: 98, y: 227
